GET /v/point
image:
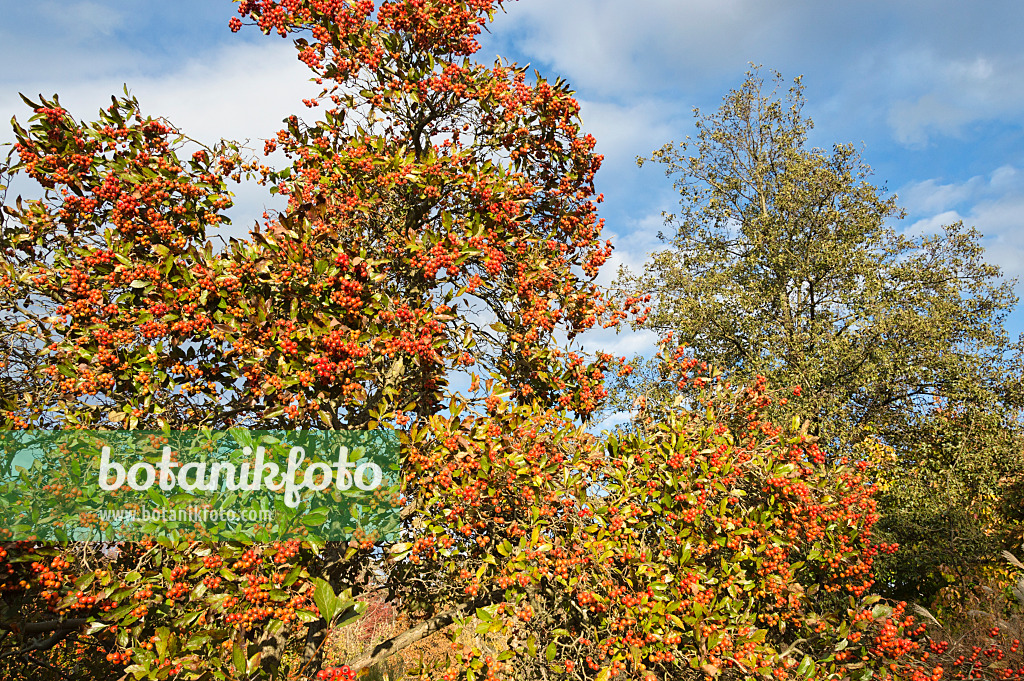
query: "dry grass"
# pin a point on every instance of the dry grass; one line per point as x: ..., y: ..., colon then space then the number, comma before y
x: 966, y: 615
x: 381, y: 622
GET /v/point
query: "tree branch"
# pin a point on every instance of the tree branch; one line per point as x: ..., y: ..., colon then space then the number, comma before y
x: 61, y: 630
x: 394, y: 645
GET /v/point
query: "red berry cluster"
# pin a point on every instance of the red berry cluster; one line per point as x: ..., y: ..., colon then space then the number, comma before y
x: 246, y: 561
x: 342, y: 673
x: 286, y: 550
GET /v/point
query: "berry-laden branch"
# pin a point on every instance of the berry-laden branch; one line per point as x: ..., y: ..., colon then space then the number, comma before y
x: 441, y: 225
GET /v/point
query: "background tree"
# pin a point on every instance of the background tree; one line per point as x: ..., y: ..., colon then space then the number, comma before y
x: 783, y: 262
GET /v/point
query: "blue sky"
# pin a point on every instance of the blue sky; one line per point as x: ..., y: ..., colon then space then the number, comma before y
x: 933, y: 90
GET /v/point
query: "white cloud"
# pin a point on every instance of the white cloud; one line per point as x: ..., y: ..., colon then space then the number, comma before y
x: 632, y: 248
x: 63, y: 41
x: 913, y: 122
x: 1001, y: 220
x: 948, y: 94
x: 932, y: 224
x: 994, y: 204
x: 81, y: 20
x: 241, y: 91
x: 615, y: 47
x: 625, y: 131
x: 627, y: 343
x: 916, y: 69
x: 930, y: 196
x: 1005, y: 178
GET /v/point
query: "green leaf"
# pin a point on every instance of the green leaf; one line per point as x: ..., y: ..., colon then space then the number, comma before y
x: 238, y: 653
x: 325, y: 599
x: 881, y: 611
x: 162, y: 636
x: 315, y: 518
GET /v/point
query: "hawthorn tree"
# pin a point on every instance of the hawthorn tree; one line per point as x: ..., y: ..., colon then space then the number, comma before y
x: 441, y: 222
x: 733, y: 547
x: 783, y: 262
x: 721, y: 545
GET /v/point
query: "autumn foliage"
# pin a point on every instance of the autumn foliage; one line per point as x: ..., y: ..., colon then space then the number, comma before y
x: 441, y: 222
x: 436, y: 258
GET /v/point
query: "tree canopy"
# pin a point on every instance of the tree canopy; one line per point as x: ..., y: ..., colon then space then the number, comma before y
x: 441, y: 223
x: 784, y: 261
